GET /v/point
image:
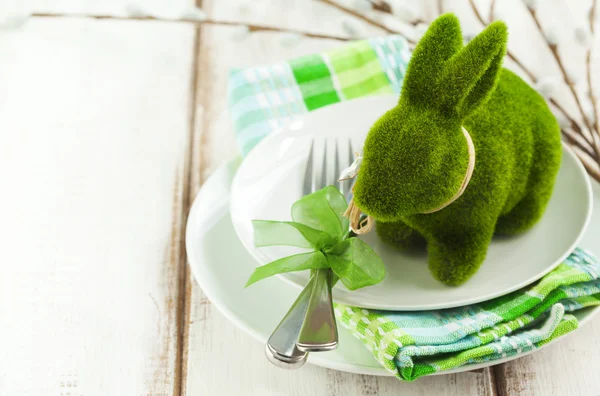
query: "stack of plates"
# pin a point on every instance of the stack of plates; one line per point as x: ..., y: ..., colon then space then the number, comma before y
x: 267, y: 183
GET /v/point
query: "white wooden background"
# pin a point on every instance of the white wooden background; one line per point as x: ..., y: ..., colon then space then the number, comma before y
x: 109, y: 123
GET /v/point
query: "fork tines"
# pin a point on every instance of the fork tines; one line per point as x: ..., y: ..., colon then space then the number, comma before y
x: 330, y: 170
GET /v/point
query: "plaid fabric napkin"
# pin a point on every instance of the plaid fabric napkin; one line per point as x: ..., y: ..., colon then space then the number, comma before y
x: 264, y: 99
x: 414, y: 344
x: 409, y: 344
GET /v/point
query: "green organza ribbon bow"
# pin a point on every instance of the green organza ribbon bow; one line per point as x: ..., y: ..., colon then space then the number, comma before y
x: 319, y: 225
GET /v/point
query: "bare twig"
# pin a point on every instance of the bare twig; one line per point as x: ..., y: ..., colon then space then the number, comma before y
x: 492, y: 11
x: 590, y: 166
x: 573, y: 123
x: 554, y: 49
x: 592, y: 15
x: 534, y: 79
x: 476, y: 12
x: 575, y: 139
x: 386, y: 8
x: 588, y: 150
x: 381, y: 5
x: 365, y: 19
x: 517, y: 62
x: 592, y: 147
x: 251, y: 27
x: 358, y: 15
x: 510, y: 55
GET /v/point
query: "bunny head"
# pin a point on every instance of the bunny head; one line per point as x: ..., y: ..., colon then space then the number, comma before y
x: 416, y: 154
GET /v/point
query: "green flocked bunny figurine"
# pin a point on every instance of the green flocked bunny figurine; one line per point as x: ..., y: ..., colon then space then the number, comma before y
x: 461, y: 121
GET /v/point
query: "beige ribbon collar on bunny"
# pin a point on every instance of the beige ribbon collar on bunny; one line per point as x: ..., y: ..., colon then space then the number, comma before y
x: 353, y: 212
x: 468, y: 174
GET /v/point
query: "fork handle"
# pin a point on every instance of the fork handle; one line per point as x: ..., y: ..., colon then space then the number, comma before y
x: 281, y: 348
x: 319, y: 330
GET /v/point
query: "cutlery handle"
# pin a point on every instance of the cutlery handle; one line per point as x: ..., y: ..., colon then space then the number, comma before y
x: 281, y: 348
x: 319, y: 330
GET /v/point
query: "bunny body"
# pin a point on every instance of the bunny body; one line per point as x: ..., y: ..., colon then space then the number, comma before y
x: 415, y: 156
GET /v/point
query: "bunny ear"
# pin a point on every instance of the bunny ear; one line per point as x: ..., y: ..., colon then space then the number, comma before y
x: 471, y: 75
x: 442, y: 40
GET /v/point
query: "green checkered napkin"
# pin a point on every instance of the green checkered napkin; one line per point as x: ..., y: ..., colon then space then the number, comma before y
x: 266, y: 98
x: 414, y: 344
x: 409, y: 344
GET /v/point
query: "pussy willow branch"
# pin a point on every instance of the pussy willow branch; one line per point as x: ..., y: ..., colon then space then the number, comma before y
x: 588, y: 153
x: 251, y: 27
x: 590, y: 166
x: 574, y: 139
x: 532, y: 76
x: 592, y: 15
x: 381, y: 5
x: 529, y: 73
x: 574, y: 124
x: 492, y: 11
x: 554, y: 49
x: 386, y: 8
x: 366, y: 19
x: 513, y: 58
x: 585, y: 150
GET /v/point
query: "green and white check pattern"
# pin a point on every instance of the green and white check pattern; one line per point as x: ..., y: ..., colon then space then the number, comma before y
x: 409, y: 344
x: 266, y: 98
x: 414, y: 344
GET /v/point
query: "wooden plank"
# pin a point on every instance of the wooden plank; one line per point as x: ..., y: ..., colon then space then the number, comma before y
x: 121, y: 8
x: 313, y: 16
x: 213, y: 343
x: 95, y: 127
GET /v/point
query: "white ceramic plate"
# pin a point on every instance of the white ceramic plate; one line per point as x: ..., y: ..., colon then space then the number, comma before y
x: 221, y: 265
x: 269, y: 181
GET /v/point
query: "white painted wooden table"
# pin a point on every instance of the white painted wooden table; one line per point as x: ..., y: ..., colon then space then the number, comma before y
x: 109, y: 123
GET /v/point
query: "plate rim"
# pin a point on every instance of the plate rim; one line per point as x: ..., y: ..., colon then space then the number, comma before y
x: 317, y: 359
x: 282, y: 131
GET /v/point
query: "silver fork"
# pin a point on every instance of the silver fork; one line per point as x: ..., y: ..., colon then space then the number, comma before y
x: 309, y: 325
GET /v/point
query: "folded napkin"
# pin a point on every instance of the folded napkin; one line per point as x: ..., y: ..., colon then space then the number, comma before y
x: 409, y: 344
x: 265, y: 98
